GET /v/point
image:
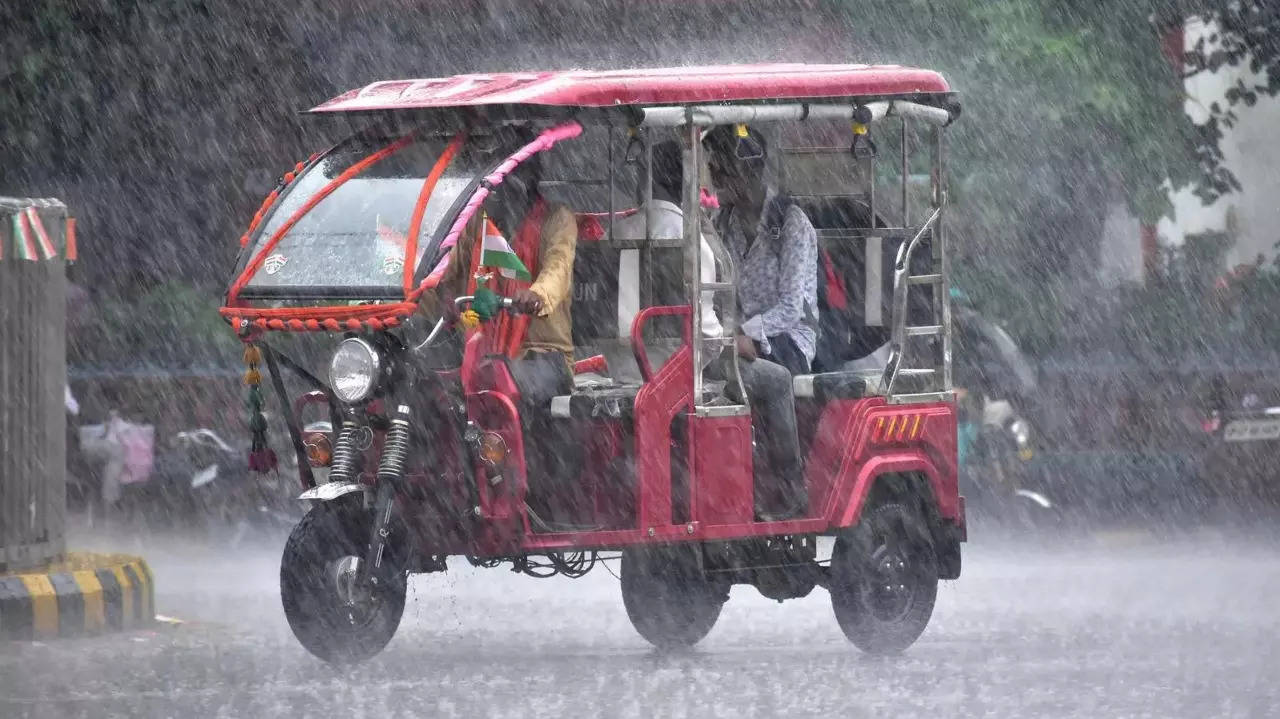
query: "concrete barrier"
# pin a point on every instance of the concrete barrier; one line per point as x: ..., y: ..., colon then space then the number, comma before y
x: 83, y: 595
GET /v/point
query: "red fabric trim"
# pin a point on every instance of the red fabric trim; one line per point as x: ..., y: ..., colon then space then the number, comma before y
x: 837, y: 298
x: 72, y: 252
x: 320, y: 319
x: 420, y: 208
x: 597, y: 363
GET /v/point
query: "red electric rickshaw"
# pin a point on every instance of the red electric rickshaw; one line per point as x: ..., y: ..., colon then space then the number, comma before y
x: 425, y: 458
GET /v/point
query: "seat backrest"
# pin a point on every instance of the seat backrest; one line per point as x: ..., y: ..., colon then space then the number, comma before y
x: 611, y: 282
x: 859, y: 324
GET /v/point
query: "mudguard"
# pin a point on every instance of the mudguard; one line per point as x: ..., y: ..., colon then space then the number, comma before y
x: 333, y: 490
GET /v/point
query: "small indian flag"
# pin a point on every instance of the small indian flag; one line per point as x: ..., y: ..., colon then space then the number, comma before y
x: 43, y: 243
x: 23, y: 236
x: 497, y: 253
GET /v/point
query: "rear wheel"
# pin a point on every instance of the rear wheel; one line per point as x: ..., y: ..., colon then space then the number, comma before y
x: 331, y: 614
x: 670, y: 601
x: 884, y: 579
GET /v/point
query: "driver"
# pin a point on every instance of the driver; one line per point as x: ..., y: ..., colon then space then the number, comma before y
x: 545, y: 241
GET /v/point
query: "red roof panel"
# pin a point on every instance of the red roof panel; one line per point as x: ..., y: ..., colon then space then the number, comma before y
x: 659, y: 86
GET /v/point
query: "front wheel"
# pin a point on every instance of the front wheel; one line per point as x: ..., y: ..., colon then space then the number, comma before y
x: 331, y: 613
x: 670, y: 601
x: 884, y: 579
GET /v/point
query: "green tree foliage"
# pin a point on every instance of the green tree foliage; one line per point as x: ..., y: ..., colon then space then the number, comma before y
x: 144, y: 116
x: 1246, y: 34
x: 1068, y: 106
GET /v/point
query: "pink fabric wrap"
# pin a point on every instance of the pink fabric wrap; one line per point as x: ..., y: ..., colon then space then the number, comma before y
x: 541, y: 143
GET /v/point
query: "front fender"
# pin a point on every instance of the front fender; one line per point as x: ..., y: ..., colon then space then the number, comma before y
x: 332, y: 490
x: 913, y: 462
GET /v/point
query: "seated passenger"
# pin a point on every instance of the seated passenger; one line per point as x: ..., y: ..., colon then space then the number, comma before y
x: 668, y: 224
x: 775, y: 248
x: 768, y: 384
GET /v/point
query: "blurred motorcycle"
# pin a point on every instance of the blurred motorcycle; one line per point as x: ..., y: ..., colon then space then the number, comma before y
x: 220, y: 494
x: 998, y: 467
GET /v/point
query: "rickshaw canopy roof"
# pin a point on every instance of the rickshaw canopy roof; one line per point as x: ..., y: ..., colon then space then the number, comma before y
x: 656, y: 86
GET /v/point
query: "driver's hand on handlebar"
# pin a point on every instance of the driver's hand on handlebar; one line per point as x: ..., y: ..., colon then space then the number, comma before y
x: 527, y: 301
x: 450, y: 311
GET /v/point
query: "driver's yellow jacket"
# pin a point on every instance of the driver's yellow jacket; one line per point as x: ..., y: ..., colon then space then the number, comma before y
x: 552, y: 329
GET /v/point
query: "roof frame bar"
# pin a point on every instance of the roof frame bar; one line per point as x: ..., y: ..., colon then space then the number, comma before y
x: 667, y: 116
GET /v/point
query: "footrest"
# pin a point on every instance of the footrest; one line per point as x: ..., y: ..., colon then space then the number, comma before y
x: 605, y: 403
x: 835, y: 385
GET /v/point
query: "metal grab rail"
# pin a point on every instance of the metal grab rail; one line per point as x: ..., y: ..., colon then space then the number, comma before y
x: 898, y: 333
x: 637, y: 333
x: 727, y: 114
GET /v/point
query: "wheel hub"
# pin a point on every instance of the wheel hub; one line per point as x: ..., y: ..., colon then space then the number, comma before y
x: 890, y: 589
x: 353, y: 595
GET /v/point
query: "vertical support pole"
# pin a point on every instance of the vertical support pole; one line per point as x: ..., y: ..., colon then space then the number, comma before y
x: 871, y: 190
x: 943, y: 260
x: 609, y: 132
x: 906, y: 209
x: 693, y: 248
x: 1149, y: 241
x: 291, y: 421
x: 646, y: 253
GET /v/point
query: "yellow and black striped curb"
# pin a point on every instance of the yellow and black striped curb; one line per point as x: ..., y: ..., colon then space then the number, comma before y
x: 82, y: 595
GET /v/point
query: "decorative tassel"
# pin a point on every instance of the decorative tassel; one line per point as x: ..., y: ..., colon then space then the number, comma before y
x: 261, y: 458
x: 262, y: 461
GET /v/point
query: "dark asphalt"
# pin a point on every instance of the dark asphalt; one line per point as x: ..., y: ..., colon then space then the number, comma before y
x: 1116, y: 624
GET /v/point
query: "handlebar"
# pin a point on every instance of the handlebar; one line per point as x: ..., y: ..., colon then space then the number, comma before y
x: 505, y: 303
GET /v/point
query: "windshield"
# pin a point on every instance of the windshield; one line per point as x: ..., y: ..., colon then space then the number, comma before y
x: 356, y: 237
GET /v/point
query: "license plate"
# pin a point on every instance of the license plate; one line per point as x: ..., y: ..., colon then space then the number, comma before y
x: 1249, y: 430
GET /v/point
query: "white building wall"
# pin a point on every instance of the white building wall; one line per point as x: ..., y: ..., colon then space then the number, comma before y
x: 1120, y: 259
x: 1251, y: 150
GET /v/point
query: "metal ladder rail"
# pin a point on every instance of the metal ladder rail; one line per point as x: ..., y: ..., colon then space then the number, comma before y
x: 902, y: 281
x: 728, y: 284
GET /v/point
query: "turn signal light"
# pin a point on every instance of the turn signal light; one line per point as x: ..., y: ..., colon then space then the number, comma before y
x: 319, y: 449
x: 493, y: 449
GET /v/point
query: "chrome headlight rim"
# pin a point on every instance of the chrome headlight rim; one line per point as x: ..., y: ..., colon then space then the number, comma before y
x: 369, y: 378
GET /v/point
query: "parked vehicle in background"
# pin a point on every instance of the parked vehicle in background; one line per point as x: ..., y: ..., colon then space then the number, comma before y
x: 996, y: 438
x: 1241, y: 425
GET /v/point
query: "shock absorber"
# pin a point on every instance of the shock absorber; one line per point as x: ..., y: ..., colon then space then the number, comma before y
x: 395, y: 448
x: 391, y: 467
x: 346, y: 455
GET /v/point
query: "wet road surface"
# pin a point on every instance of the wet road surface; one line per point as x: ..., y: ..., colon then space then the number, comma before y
x: 1095, y: 625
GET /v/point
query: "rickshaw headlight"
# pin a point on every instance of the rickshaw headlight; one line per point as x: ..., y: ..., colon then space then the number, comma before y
x: 353, y: 372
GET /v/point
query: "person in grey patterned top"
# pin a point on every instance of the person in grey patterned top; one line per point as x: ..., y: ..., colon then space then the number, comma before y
x: 774, y: 247
x: 777, y: 281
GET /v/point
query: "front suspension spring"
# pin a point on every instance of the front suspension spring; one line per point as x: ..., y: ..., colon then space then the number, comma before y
x: 395, y: 449
x: 346, y: 455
